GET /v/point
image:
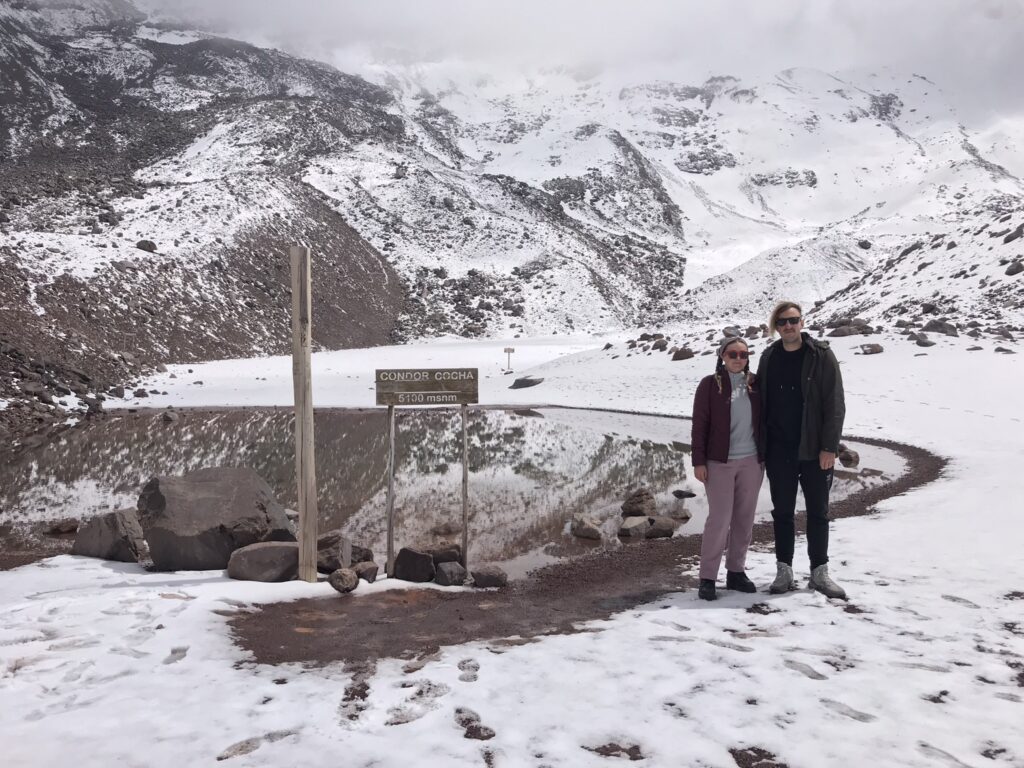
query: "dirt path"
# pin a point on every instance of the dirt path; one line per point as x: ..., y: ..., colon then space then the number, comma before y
x: 415, y: 623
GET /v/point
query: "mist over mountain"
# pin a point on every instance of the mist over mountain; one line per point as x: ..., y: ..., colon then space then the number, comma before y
x: 155, y: 173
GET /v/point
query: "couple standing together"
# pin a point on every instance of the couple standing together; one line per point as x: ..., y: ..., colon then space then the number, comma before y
x: 785, y: 422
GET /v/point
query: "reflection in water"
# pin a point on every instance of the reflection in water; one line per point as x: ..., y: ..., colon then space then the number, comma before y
x: 529, y: 471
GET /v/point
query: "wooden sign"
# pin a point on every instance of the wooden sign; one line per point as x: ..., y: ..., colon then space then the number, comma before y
x: 509, y: 350
x: 428, y: 386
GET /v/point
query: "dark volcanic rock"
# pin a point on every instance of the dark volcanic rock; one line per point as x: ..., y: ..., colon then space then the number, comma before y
x: 525, y: 381
x: 113, y: 536
x: 450, y: 574
x: 640, y: 503
x: 487, y: 576
x: 194, y: 522
x: 267, y: 561
x: 412, y: 565
x: 344, y: 580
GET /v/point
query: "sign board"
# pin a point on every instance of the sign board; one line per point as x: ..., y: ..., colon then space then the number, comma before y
x: 428, y: 386
x: 509, y: 350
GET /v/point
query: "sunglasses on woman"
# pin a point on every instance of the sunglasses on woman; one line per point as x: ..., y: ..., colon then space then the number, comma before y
x: 737, y: 355
x: 784, y: 321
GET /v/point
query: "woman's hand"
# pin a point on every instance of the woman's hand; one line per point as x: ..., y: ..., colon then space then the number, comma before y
x: 701, y: 473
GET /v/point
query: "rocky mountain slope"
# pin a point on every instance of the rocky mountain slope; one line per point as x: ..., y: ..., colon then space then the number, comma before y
x: 153, y: 177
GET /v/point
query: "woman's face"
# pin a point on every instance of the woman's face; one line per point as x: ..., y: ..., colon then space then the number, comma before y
x: 735, y: 357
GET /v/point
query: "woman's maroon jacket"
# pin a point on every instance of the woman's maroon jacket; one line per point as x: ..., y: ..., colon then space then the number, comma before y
x: 711, y: 413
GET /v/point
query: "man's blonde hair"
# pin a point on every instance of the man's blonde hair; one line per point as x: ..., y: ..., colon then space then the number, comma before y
x: 782, y: 306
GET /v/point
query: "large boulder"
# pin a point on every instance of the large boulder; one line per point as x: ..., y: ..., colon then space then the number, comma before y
x: 194, y: 522
x: 413, y: 565
x: 266, y: 561
x: 334, y: 550
x: 113, y: 536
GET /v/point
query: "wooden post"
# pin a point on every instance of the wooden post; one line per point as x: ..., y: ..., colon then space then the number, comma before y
x: 465, y: 491
x: 305, y: 471
x: 391, y: 491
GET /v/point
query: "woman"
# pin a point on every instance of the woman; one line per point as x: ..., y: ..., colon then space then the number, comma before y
x: 727, y: 459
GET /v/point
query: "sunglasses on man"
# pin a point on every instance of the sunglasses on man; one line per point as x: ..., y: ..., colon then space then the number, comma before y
x: 733, y: 355
x: 784, y: 321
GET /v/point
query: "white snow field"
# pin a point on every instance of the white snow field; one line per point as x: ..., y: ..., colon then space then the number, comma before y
x: 105, y: 664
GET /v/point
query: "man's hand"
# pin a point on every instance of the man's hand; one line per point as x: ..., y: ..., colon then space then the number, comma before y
x: 827, y: 460
x: 701, y: 473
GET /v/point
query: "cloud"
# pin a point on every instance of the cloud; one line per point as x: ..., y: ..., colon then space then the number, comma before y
x: 970, y: 47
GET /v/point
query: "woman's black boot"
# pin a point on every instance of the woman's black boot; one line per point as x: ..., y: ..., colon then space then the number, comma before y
x: 706, y: 590
x: 738, y: 581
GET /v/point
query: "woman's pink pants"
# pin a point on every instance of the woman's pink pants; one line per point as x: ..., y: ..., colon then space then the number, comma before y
x: 732, y: 490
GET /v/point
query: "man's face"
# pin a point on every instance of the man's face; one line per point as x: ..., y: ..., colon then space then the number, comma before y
x: 787, y: 330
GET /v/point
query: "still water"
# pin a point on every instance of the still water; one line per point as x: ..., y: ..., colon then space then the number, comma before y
x: 530, y: 472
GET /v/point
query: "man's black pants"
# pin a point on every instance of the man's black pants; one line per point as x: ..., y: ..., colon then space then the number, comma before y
x: 785, y: 472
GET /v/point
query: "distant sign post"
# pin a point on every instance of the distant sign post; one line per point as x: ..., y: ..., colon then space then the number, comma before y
x: 509, y: 351
x: 422, y: 387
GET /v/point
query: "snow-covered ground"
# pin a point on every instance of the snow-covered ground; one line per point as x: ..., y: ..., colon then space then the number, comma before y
x: 117, y: 666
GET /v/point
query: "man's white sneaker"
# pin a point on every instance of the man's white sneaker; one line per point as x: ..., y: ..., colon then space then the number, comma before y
x: 784, y: 581
x: 822, y: 582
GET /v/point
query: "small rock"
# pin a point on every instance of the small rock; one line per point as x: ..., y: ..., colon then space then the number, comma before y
x: 344, y: 580
x: 661, y: 527
x: 446, y: 553
x: 489, y: 576
x: 524, y: 382
x: 938, y: 326
x: 681, y: 493
x: 1005, y: 351
x: 367, y: 571
x: 146, y: 245
x: 140, y: 392
x: 640, y: 503
x: 450, y: 574
x: 925, y: 343
x: 871, y: 349
x: 169, y: 416
x: 682, y: 354
x: 1015, y: 268
x: 585, y: 528
x: 849, y: 458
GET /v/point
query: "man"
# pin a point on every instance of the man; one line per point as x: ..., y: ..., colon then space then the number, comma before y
x: 801, y: 424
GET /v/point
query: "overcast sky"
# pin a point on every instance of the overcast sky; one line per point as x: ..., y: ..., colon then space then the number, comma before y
x: 972, y: 48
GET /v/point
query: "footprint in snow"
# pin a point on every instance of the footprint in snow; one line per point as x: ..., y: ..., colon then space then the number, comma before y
x: 423, y: 700
x: 470, y: 669
x: 730, y: 646
x: 940, y: 754
x: 470, y: 721
x: 961, y: 601
x: 805, y: 669
x: 847, y: 711
x: 176, y: 654
x: 246, y: 746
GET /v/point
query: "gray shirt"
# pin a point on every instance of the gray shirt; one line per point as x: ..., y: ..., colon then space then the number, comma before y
x: 741, y: 421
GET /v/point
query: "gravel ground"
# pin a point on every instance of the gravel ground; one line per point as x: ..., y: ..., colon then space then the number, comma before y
x: 416, y: 623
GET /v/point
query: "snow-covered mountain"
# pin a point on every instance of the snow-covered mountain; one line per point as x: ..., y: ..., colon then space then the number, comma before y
x: 153, y: 177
